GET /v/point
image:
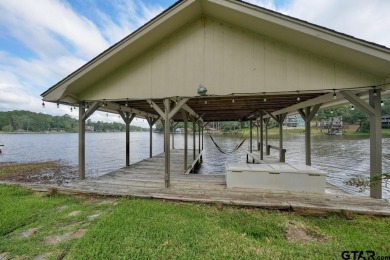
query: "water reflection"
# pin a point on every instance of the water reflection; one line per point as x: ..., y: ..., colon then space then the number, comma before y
x: 342, y: 157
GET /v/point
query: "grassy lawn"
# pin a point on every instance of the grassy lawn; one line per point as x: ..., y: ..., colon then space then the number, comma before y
x: 68, y: 227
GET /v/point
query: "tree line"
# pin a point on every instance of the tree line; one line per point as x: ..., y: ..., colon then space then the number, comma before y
x: 26, y: 121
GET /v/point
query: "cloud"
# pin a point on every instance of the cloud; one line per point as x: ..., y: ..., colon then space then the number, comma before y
x: 56, y: 39
x: 363, y: 19
x: 54, y: 22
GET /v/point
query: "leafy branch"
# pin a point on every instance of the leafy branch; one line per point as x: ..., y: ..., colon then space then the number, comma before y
x: 363, y: 183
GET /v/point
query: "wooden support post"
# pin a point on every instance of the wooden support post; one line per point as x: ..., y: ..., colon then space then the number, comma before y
x: 199, y: 132
x: 307, y: 138
x: 167, y: 104
x: 127, y: 141
x: 173, y: 135
x: 266, y: 121
x: 250, y: 136
x: 279, y: 119
x: 150, y: 141
x: 307, y: 115
x: 127, y: 118
x: 373, y: 110
x: 163, y: 123
x: 83, y: 115
x: 185, y: 120
x: 375, y: 143
x: 257, y: 135
x: 261, y: 148
x: 250, y: 140
x: 82, y: 141
x: 193, y: 137
x: 280, y: 140
x: 151, y: 122
x: 202, y: 136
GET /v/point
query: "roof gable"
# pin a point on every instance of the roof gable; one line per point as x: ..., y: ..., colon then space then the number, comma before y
x: 366, y: 56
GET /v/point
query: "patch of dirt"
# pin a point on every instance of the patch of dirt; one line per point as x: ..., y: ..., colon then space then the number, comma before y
x: 49, y: 172
x: 74, y: 213
x: 298, y: 232
x: 4, y: 256
x: 42, y: 257
x: 52, y: 240
x: 92, y: 217
x: 99, y: 201
x: 92, y: 201
x: 61, y: 208
x: 106, y: 202
x: 30, y: 232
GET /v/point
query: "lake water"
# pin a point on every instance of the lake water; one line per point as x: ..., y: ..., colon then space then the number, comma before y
x: 342, y: 157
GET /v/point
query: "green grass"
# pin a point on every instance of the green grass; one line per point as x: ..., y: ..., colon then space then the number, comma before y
x: 156, y: 229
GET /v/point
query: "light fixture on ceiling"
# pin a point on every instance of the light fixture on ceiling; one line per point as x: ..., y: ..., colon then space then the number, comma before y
x: 382, y: 103
x: 374, y: 93
x: 202, y: 90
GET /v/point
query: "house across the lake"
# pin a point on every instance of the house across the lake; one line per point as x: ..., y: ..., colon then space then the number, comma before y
x: 386, y: 121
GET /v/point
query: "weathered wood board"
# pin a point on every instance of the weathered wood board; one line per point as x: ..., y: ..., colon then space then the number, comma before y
x: 146, y: 179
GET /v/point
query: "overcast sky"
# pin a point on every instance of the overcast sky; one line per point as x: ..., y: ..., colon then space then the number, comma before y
x: 42, y: 41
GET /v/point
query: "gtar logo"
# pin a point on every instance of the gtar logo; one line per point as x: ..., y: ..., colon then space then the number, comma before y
x: 358, y: 255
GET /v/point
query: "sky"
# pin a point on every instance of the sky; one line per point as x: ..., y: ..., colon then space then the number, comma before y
x: 43, y: 41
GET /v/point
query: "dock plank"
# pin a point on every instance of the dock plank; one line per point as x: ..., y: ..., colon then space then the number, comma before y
x: 146, y: 179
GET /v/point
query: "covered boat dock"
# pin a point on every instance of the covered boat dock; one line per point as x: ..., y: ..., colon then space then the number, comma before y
x: 202, y: 61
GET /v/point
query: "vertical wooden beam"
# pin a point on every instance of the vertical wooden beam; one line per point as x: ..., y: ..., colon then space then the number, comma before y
x: 307, y: 137
x: 151, y: 122
x: 307, y: 116
x: 199, y: 132
x: 373, y: 110
x: 202, y: 136
x: 280, y: 118
x: 163, y: 123
x: 167, y: 104
x: 261, y: 138
x: 127, y: 139
x: 193, y: 138
x: 375, y: 143
x: 280, y: 139
x: 150, y: 140
x: 257, y: 135
x: 173, y: 135
x: 81, y: 141
x: 127, y: 118
x: 185, y: 120
x: 250, y: 136
x: 266, y: 121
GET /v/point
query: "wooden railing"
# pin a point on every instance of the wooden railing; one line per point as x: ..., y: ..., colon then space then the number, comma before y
x: 282, y: 152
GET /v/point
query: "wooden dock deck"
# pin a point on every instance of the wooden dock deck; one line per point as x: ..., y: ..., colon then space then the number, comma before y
x: 146, y: 179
